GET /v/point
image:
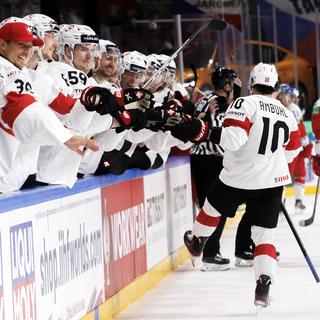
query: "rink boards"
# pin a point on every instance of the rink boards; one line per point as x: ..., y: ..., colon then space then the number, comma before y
x: 89, y: 251
x: 64, y: 252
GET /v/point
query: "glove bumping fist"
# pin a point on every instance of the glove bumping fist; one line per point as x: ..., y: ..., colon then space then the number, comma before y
x: 102, y: 101
x: 191, y: 129
x: 98, y: 99
x: 172, y: 111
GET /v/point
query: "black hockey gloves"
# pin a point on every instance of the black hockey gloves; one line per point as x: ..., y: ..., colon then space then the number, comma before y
x: 98, y: 99
x: 192, y: 129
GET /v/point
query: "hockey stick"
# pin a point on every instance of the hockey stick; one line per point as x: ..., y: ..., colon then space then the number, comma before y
x: 304, y: 251
x: 307, y: 222
x: 216, y: 24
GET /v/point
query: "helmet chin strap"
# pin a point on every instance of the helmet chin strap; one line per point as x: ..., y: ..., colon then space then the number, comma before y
x: 31, y: 53
x: 39, y: 52
x: 71, y: 55
x: 96, y: 65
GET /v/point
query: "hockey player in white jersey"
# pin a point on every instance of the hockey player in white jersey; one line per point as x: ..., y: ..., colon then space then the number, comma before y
x: 110, y: 65
x: 135, y: 68
x: 56, y: 94
x: 107, y: 73
x: 206, y: 165
x: 117, y: 161
x: 153, y: 146
x: 170, y: 85
x: 173, y: 84
x: 260, y: 137
x: 47, y: 29
x: 23, y: 118
x: 153, y: 66
x: 127, y: 152
x: 78, y: 49
x: 113, y: 142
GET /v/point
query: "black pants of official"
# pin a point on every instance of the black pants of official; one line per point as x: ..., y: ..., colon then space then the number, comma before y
x: 205, y: 169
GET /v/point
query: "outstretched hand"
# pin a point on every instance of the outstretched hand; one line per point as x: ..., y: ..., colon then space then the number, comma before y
x: 76, y: 142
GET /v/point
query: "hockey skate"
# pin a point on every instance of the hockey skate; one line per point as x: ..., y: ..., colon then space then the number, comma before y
x: 299, y: 206
x: 262, y: 291
x: 244, y: 259
x: 216, y: 263
x: 194, y: 245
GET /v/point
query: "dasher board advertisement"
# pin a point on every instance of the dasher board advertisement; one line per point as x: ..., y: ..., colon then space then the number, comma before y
x: 53, y: 249
x: 179, y: 205
x: 156, y: 217
x: 124, y: 234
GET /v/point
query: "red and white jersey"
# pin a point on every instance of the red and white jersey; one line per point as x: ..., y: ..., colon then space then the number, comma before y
x: 296, y: 111
x: 23, y: 119
x: 301, y: 127
x: 64, y: 97
x: 59, y: 165
x: 315, y: 119
x: 260, y: 137
x: 315, y: 122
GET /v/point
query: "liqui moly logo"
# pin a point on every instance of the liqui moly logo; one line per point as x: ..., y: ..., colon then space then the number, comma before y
x: 1, y: 284
x: 23, y: 272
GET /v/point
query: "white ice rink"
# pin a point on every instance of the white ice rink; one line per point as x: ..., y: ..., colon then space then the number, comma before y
x: 189, y: 293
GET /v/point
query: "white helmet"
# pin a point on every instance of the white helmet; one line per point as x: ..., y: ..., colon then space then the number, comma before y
x: 42, y: 24
x: 172, y: 67
x: 163, y: 58
x: 73, y: 34
x: 264, y: 74
x: 109, y: 47
x: 11, y: 19
x: 153, y: 61
x: 135, y: 62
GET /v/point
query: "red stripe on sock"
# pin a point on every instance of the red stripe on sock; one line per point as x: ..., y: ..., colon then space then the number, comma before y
x: 265, y: 249
x: 206, y: 220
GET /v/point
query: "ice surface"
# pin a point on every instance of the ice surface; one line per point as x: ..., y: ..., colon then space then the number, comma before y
x: 189, y: 293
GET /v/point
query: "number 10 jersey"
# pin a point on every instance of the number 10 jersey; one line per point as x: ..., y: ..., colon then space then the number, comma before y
x: 260, y: 137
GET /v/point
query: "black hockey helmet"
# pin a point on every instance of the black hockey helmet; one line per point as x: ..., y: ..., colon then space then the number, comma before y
x: 221, y: 76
